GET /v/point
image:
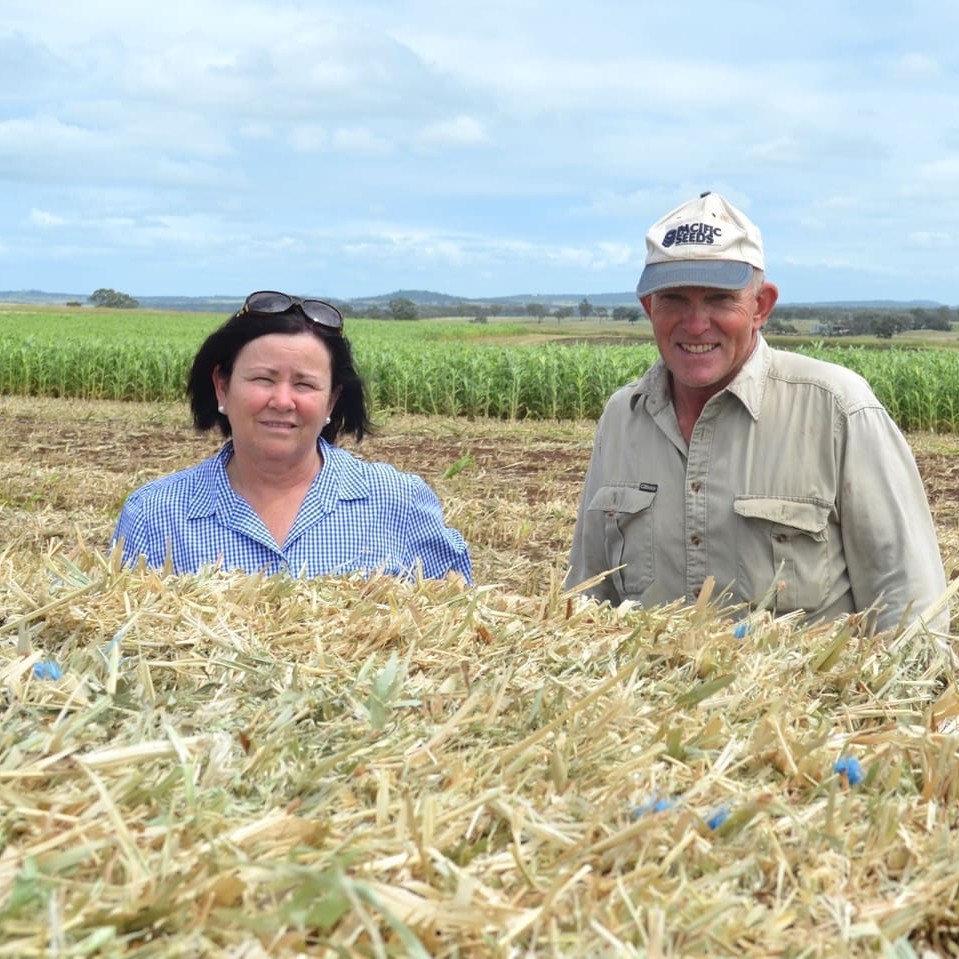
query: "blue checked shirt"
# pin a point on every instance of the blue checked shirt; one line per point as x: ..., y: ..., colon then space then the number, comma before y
x: 357, y: 517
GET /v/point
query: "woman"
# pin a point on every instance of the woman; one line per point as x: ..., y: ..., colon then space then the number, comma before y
x: 278, y: 380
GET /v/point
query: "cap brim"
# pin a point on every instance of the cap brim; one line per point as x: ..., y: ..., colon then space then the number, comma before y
x: 722, y: 274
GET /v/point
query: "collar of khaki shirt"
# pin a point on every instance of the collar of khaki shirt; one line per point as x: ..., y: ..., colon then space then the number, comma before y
x: 748, y: 386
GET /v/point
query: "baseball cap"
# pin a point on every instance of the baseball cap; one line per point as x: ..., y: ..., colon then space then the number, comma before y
x: 705, y: 242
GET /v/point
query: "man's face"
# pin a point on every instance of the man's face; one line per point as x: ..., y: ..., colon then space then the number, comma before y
x: 705, y: 334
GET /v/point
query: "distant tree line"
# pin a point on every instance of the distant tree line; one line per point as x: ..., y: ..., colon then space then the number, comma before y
x: 113, y: 299
x: 884, y: 322
x: 403, y: 308
x: 881, y: 322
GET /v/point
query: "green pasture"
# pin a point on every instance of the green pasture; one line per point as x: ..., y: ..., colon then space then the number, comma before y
x: 511, y: 370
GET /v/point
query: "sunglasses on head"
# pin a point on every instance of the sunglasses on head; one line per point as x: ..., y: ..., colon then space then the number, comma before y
x: 271, y: 301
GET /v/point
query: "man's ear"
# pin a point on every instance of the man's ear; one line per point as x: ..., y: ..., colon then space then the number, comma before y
x: 766, y: 299
x: 646, y: 300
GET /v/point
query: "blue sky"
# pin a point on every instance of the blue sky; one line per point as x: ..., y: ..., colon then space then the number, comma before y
x: 212, y: 147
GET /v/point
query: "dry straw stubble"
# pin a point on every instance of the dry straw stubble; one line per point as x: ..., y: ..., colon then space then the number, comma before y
x: 232, y: 766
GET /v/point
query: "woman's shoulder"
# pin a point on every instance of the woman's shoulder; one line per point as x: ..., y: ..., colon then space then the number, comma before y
x: 180, y: 485
x: 374, y: 476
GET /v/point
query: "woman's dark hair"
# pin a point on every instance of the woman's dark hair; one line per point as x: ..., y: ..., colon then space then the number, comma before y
x: 219, y: 351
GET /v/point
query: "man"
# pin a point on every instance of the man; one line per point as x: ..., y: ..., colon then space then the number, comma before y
x: 756, y: 467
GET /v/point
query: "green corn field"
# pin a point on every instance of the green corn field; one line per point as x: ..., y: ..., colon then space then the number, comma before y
x: 432, y: 367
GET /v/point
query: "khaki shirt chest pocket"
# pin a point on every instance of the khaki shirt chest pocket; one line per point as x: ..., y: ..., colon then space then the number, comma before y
x: 784, y: 538
x: 629, y: 536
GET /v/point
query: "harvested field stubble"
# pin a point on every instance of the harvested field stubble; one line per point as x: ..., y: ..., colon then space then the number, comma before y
x: 231, y: 766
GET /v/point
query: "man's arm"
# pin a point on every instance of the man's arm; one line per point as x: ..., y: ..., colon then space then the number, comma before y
x: 889, y: 538
x: 587, y: 556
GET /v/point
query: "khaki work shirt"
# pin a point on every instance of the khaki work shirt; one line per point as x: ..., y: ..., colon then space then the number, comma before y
x: 794, y: 472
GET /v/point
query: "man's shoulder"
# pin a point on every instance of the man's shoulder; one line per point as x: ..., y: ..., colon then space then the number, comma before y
x: 654, y: 382
x: 786, y: 367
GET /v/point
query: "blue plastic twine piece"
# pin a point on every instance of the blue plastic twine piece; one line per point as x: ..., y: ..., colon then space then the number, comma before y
x: 849, y: 766
x: 47, y: 669
x: 654, y: 805
x: 741, y: 630
x: 718, y: 818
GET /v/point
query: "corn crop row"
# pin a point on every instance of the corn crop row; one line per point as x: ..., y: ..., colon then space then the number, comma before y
x: 513, y: 382
x: 541, y: 382
x: 409, y: 373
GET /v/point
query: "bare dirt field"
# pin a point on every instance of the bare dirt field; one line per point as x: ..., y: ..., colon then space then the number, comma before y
x: 66, y: 467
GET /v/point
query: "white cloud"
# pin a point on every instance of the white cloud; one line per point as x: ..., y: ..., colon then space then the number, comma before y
x: 357, y: 141
x: 618, y: 254
x: 361, y: 141
x: 523, y: 149
x: 256, y: 131
x: 915, y: 67
x: 44, y: 135
x: 944, y: 171
x: 44, y: 220
x: 476, y: 253
x: 309, y: 138
x: 171, y: 173
x: 930, y: 240
x: 461, y: 131
x: 783, y: 151
x: 840, y: 203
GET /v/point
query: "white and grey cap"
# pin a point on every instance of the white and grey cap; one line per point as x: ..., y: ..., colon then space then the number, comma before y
x: 704, y: 242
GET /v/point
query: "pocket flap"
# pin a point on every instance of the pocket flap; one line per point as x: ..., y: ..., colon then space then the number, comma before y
x: 621, y: 499
x: 805, y: 516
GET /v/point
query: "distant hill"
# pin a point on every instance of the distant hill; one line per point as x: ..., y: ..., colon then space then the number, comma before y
x: 227, y: 304
x: 868, y: 305
x: 419, y: 297
x: 40, y: 297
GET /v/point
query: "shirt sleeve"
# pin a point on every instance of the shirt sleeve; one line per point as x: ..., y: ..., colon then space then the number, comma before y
x: 438, y: 548
x: 889, y: 538
x: 587, y: 556
x: 132, y: 533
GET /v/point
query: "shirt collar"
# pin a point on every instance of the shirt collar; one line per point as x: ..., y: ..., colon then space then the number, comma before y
x: 212, y: 492
x: 748, y: 386
x: 750, y: 382
x: 342, y: 478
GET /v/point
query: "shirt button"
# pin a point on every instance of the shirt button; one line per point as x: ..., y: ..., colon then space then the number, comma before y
x: 695, y: 540
x: 696, y: 486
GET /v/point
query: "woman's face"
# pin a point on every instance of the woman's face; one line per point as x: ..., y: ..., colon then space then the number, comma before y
x: 278, y: 397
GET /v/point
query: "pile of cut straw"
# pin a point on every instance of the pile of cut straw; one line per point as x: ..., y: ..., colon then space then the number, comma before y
x: 230, y: 766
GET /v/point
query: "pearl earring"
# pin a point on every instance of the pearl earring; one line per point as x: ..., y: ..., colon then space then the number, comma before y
x: 221, y: 410
x: 327, y: 421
